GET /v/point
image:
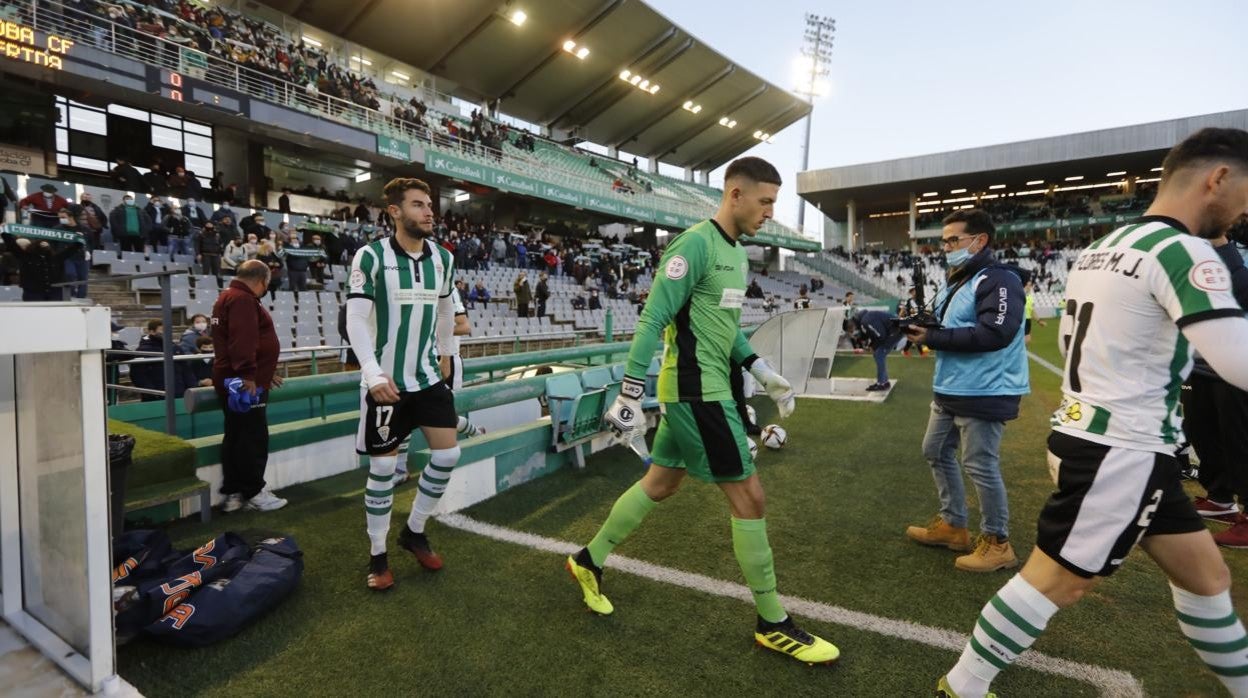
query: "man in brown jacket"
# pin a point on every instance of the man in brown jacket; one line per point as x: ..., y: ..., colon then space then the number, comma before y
x: 246, y: 348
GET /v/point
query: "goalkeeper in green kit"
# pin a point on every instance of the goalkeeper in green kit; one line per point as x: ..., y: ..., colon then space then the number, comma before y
x: 695, y: 304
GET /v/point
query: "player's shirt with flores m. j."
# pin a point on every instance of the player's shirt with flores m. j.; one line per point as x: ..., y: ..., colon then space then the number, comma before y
x: 1129, y: 295
x: 695, y: 304
x: 406, y: 291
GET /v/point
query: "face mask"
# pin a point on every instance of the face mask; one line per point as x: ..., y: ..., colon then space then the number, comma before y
x: 201, y: 326
x: 65, y: 221
x: 128, y: 202
x: 958, y: 257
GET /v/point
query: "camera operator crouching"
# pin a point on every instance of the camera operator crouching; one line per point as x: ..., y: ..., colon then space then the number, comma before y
x: 1215, y: 419
x: 981, y: 376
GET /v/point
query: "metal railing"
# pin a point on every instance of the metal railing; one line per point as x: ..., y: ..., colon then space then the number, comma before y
x: 53, y: 17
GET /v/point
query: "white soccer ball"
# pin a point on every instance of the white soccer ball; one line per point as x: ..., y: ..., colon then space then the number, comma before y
x: 749, y: 409
x: 753, y: 447
x: 774, y: 436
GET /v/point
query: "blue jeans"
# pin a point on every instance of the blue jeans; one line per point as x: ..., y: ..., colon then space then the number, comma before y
x: 881, y: 362
x: 981, y: 448
x: 180, y: 245
x: 76, y: 270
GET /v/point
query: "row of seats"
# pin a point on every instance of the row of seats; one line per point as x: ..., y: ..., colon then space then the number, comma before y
x: 577, y: 404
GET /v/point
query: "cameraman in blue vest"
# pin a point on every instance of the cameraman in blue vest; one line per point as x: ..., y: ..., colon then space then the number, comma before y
x: 981, y: 376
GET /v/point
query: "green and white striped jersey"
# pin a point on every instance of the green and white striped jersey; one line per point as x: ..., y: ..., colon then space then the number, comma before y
x: 407, y: 292
x: 1129, y: 295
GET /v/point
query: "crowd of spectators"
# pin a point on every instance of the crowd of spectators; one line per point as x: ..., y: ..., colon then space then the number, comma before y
x: 1059, y: 205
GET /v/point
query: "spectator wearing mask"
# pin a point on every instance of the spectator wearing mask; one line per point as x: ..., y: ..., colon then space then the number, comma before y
x: 154, y: 181
x: 192, y: 211
x: 578, y: 302
x: 130, y: 225
x: 296, y: 267
x: 184, y: 184
x: 251, y: 248
x: 40, y: 264
x: 317, y: 264
x: 754, y: 290
x: 479, y: 294
x: 198, y: 328
x: 595, y: 303
x: 234, y: 255
x: 256, y: 226
x: 542, y: 294
x: 981, y: 376
x: 269, y: 254
x: 523, y: 293
x: 201, y: 369
x: 227, y: 228
x: 158, y: 212
x: 76, y: 267
x: 208, y: 250
x: 179, y: 233
x: 150, y: 375
x: 44, y: 206
x: 247, y: 349
x: 224, y: 212
x: 91, y: 219
x: 126, y: 177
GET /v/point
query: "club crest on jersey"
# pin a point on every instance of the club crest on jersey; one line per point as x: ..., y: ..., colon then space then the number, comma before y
x: 1210, y: 275
x: 677, y: 267
x: 357, y: 278
x: 383, y: 433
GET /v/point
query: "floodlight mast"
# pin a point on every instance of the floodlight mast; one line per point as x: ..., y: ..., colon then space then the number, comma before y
x: 817, y: 49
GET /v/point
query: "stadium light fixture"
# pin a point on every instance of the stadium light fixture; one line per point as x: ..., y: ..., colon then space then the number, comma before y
x: 1075, y: 178
x: 931, y: 193
x: 363, y: 177
x: 361, y: 60
x: 654, y: 88
x: 582, y: 52
x: 1034, y: 182
x: 1116, y: 174
x: 811, y: 68
x: 689, y: 106
x: 309, y: 40
x: 635, y: 79
x: 1155, y: 169
x: 644, y: 85
x: 957, y: 191
x: 461, y: 197
x: 401, y: 76
x: 518, y: 17
x: 997, y: 186
x: 626, y: 74
x: 569, y: 46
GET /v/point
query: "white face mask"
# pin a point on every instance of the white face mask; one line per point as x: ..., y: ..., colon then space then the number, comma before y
x: 201, y: 326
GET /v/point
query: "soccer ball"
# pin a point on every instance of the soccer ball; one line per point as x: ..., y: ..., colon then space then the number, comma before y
x: 774, y: 436
x: 749, y: 409
x: 753, y: 447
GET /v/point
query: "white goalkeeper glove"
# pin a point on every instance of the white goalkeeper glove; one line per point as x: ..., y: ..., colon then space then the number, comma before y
x: 625, y: 417
x: 778, y: 389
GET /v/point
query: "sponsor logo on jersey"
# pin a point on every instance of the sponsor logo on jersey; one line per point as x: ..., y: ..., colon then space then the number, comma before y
x: 411, y: 296
x: 732, y: 298
x: 677, y: 267
x: 1210, y: 275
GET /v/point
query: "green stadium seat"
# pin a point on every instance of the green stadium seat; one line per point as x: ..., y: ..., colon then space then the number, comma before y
x: 575, y: 414
x: 602, y: 378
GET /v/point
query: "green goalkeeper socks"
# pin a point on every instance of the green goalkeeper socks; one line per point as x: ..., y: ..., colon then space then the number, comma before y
x: 749, y: 542
x: 626, y: 515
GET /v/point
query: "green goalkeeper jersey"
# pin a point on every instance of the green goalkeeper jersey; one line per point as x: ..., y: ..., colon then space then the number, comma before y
x: 695, y: 302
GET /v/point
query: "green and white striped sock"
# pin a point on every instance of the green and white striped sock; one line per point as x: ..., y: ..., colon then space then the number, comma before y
x: 1210, y: 624
x: 1007, y: 626
x: 378, y: 499
x: 433, y: 481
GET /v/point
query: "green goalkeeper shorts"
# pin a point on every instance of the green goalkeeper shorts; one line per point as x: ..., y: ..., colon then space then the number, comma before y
x: 705, y: 438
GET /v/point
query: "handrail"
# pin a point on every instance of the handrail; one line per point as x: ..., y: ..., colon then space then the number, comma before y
x: 153, y: 50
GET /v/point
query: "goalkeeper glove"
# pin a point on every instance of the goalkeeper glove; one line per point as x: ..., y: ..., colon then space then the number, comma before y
x: 778, y: 389
x: 625, y: 416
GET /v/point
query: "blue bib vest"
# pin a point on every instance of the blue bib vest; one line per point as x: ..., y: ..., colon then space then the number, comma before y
x: 963, y: 374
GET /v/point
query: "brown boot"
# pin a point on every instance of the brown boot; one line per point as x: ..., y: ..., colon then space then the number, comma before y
x: 991, y: 554
x: 939, y: 533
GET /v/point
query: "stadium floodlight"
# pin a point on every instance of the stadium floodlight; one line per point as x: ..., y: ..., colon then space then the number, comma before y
x: 687, y: 105
x: 582, y: 52
x: 816, y: 54
x: 1116, y: 174
x: 626, y: 74
x: 997, y: 186
x: 1034, y: 182
x: 723, y: 121
x: 957, y: 191
x: 401, y: 76
x: 361, y: 60
x: 758, y: 135
x: 654, y: 88
x: 732, y: 123
x: 932, y: 193
x: 309, y: 40
x: 1155, y: 169
x: 1075, y: 178
x: 635, y: 79
x: 569, y: 46
x: 644, y: 85
x: 518, y: 17
x: 697, y: 108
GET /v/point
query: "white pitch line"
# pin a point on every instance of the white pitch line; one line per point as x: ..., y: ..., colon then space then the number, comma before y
x: 1112, y: 683
x: 1056, y: 371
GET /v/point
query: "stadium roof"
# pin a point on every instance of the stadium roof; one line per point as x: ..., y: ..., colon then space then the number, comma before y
x: 882, y: 187
x: 474, y: 44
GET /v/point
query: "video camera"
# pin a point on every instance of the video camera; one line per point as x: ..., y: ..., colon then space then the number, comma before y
x: 924, y: 317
